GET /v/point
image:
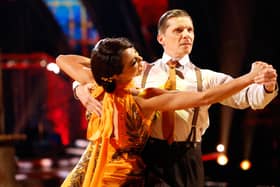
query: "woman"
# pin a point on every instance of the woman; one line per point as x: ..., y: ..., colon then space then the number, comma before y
x: 116, y: 139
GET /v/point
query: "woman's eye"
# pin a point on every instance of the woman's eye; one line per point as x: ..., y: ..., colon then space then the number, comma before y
x: 134, y: 61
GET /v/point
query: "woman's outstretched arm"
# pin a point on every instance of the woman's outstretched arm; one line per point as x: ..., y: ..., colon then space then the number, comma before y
x: 187, y: 99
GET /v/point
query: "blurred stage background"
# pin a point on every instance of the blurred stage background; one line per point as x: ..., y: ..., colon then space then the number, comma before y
x: 42, y: 127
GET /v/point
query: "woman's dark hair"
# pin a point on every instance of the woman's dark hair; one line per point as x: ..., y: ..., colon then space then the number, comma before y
x: 106, y: 61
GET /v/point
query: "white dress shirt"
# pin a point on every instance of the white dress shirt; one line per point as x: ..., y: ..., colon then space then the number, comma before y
x: 253, y: 96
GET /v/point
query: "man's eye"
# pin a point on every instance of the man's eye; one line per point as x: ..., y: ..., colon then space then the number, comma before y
x: 178, y: 30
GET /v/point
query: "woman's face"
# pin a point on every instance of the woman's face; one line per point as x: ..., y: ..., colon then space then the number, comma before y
x: 132, y: 65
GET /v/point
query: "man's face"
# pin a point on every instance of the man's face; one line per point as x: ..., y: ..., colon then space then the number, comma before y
x: 177, y: 40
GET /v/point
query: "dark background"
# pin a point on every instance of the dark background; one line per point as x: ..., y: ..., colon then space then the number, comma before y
x: 229, y: 36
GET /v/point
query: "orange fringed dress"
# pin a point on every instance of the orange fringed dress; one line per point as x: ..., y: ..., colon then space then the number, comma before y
x: 112, y: 158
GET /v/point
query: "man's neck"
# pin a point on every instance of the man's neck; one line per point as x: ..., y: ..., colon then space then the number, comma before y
x: 183, y: 60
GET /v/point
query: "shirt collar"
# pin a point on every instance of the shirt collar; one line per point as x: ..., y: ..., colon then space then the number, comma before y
x: 183, y: 61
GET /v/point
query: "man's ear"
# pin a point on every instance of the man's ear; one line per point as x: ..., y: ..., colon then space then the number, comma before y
x: 160, y: 39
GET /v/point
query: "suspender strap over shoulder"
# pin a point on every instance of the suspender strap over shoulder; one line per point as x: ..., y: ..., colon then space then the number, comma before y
x: 199, y: 79
x: 192, y: 136
x: 146, y: 73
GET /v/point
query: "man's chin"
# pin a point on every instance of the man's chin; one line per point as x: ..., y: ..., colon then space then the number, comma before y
x: 184, y: 51
x: 187, y: 50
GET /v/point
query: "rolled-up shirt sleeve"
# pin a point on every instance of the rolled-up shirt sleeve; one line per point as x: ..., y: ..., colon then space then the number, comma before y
x: 253, y: 96
x: 258, y: 98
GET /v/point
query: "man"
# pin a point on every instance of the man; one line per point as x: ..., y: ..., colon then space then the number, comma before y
x: 178, y: 163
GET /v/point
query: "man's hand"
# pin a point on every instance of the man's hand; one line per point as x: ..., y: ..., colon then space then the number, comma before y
x: 91, y: 104
x: 270, y: 79
x: 267, y: 77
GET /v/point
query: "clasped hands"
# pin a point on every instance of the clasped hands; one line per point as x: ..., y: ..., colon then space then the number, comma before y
x: 265, y: 75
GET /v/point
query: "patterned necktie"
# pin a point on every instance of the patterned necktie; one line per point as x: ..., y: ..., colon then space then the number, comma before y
x: 168, y: 117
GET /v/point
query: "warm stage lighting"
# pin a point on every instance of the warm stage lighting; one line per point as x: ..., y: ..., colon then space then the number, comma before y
x: 210, y: 156
x: 220, y: 148
x: 81, y: 143
x: 46, y: 162
x: 222, y: 159
x: 245, y: 165
x: 53, y: 67
x: 21, y: 177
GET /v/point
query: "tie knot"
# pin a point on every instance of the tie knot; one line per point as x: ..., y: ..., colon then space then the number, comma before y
x: 173, y: 64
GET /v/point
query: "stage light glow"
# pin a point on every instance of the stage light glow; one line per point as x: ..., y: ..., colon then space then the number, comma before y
x: 25, y: 165
x: 245, y: 165
x: 220, y: 148
x: 74, y: 160
x: 81, y: 143
x: 210, y: 156
x: 63, y: 162
x: 53, y: 67
x: 46, y: 162
x: 62, y: 173
x: 11, y: 63
x: 21, y: 177
x: 43, y: 63
x: 222, y: 159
